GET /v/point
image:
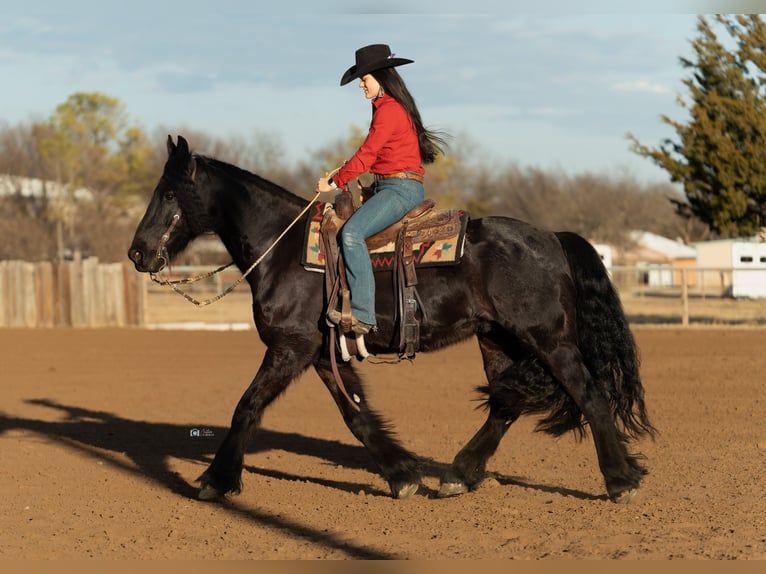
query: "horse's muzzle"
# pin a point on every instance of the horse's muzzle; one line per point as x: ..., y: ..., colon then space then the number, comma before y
x: 143, y: 262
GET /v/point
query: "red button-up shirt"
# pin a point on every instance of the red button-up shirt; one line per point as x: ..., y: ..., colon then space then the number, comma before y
x: 391, y: 145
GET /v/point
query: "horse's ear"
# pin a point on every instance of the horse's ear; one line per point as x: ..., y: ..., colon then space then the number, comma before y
x: 171, y: 146
x: 185, y: 154
x: 183, y: 145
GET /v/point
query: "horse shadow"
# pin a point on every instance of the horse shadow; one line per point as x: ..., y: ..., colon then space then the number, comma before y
x: 151, y: 445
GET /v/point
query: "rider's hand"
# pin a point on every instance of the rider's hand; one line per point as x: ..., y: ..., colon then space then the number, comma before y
x: 324, y: 186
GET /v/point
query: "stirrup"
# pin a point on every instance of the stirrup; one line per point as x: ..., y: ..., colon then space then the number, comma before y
x: 357, y: 326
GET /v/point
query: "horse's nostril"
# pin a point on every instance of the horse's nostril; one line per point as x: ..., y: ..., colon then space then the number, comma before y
x: 136, y: 255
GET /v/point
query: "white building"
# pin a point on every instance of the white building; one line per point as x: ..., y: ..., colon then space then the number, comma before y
x: 738, y: 266
x: 35, y: 188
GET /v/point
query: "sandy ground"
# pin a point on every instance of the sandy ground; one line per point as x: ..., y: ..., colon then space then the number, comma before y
x: 99, y: 461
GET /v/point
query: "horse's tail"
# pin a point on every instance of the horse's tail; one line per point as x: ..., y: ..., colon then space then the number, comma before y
x: 604, y: 337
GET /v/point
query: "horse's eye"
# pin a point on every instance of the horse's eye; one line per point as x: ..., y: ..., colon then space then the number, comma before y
x: 170, y: 195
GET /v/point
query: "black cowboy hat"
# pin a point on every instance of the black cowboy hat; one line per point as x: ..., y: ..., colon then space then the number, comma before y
x: 371, y: 58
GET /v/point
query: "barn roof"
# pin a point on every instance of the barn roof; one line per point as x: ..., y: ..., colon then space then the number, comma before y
x: 670, y: 248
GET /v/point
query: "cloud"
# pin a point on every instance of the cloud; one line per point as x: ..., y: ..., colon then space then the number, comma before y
x: 552, y: 112
x: 236, y: 68
x: 24, y: 25
x: 642, y: 86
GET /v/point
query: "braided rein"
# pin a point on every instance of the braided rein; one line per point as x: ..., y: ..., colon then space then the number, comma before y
x: 162, y: 255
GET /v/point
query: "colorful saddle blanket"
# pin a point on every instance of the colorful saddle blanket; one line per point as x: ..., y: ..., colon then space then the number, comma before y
x: 427, y: 253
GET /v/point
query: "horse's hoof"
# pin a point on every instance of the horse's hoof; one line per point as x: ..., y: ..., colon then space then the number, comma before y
x: 407, y: 490
x: 447, y: 489
x: 207, y: 492
x: 625, y: 496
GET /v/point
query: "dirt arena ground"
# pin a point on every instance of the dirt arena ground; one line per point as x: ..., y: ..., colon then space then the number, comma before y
x: 99, y: 461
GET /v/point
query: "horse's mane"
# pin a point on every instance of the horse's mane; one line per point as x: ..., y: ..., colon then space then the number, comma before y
x: 250, y: 179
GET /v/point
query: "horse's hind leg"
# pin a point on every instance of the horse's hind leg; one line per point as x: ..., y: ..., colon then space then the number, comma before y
x: 622, y: 471
x: 469, y: 466
x: 397, y: 465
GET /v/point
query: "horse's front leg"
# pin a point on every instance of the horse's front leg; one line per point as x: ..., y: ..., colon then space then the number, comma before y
x: 278, y: 369
x: 398, y: 466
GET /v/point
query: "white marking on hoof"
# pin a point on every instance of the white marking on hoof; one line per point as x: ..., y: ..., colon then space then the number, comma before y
x: 447, y: 489
x: 407, y: 490
x: 207, y: 492
x: 356, y: 398
x: 625, y: 496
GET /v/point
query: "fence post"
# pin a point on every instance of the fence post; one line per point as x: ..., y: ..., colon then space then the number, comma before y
x: 45, y: 300
x: 685, y: 298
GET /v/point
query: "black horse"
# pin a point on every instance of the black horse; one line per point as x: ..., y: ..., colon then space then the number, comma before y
x: 553, y: 336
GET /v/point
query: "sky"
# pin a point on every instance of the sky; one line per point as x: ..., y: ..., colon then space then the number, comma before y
x: 533, y: 84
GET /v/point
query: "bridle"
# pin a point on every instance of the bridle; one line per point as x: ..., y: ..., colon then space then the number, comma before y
x: 162, y: 255
x: 162, y: 251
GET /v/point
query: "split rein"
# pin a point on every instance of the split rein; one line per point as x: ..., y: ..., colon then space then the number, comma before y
x: 173, y: 284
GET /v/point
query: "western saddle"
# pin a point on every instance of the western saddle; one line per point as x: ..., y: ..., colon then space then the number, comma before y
x: 422, y: 223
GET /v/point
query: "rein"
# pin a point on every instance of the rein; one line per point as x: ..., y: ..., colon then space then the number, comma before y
x: 173, y: 284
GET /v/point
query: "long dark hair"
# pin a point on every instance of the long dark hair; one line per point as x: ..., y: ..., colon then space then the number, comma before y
x: 431, y: 143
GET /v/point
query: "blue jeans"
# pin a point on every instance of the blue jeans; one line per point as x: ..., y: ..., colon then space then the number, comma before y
x: 393, y: 199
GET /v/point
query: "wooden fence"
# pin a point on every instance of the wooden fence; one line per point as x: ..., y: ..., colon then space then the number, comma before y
x: 78, y: 293
x: 86, y: 293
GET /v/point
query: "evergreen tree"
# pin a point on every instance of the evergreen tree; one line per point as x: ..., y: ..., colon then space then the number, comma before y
x: 720, y: 155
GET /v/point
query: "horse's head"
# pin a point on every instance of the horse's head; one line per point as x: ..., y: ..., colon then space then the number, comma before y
x: 175, y: 215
